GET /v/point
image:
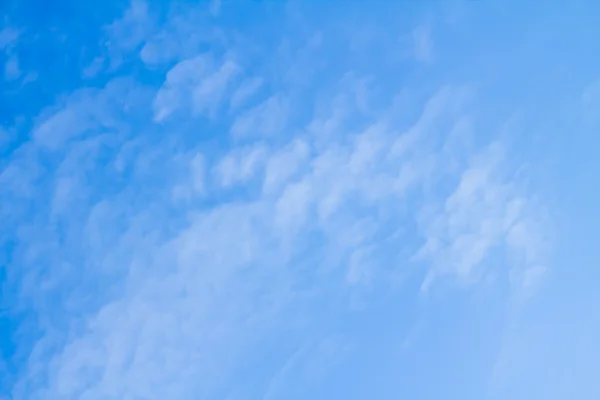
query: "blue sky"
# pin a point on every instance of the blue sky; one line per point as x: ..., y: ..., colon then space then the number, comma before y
x: 299, y: 200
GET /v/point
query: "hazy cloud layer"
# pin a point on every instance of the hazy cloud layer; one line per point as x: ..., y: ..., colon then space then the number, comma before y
x: 246, y: 209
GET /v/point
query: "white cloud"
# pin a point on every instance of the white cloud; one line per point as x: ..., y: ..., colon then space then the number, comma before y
x: 88, y: 110
x: 283, y: 165
x: 189, y: 28
x: 423, y: 44
x: 248, y: 88
x: 129, y: 32
x: 194, y: 182
x: 8, y: 36
x: 11, y: 69
x: 94, y: 67
x: 61, y: 126
x: 189, y: 289
x: 240, y: 165
x: 197, y: 173
x: 484, y: 211
x: 418, y: 45
x: 182, y: 78
x: 293, y: 206
x: 209, y: 93
x: 153, y: 294
x: 8, y: 41
x: 266, y: 119
x: 195, y: 83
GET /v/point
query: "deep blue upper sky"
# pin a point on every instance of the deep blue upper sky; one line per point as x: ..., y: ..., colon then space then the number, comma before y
x: 291, y: 200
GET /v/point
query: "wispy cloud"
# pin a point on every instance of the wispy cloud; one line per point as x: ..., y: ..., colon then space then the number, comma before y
x: 189, y: 289
x: 423, y: 44
x: 211, y: 226
x: 245, y: 91
x: 11, y: 69
x: 484, y: 211
x: 8, y: 37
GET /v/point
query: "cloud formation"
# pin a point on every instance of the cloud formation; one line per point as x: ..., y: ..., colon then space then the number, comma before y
x: 222, y: 207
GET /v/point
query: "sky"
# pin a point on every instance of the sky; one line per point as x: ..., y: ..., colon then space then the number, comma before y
x: 296, y: 199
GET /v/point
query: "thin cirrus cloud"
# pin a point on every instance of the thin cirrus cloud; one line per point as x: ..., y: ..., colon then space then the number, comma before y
x: 282, y: 207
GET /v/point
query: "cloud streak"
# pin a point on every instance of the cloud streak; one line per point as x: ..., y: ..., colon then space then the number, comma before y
x: 204, y: 228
